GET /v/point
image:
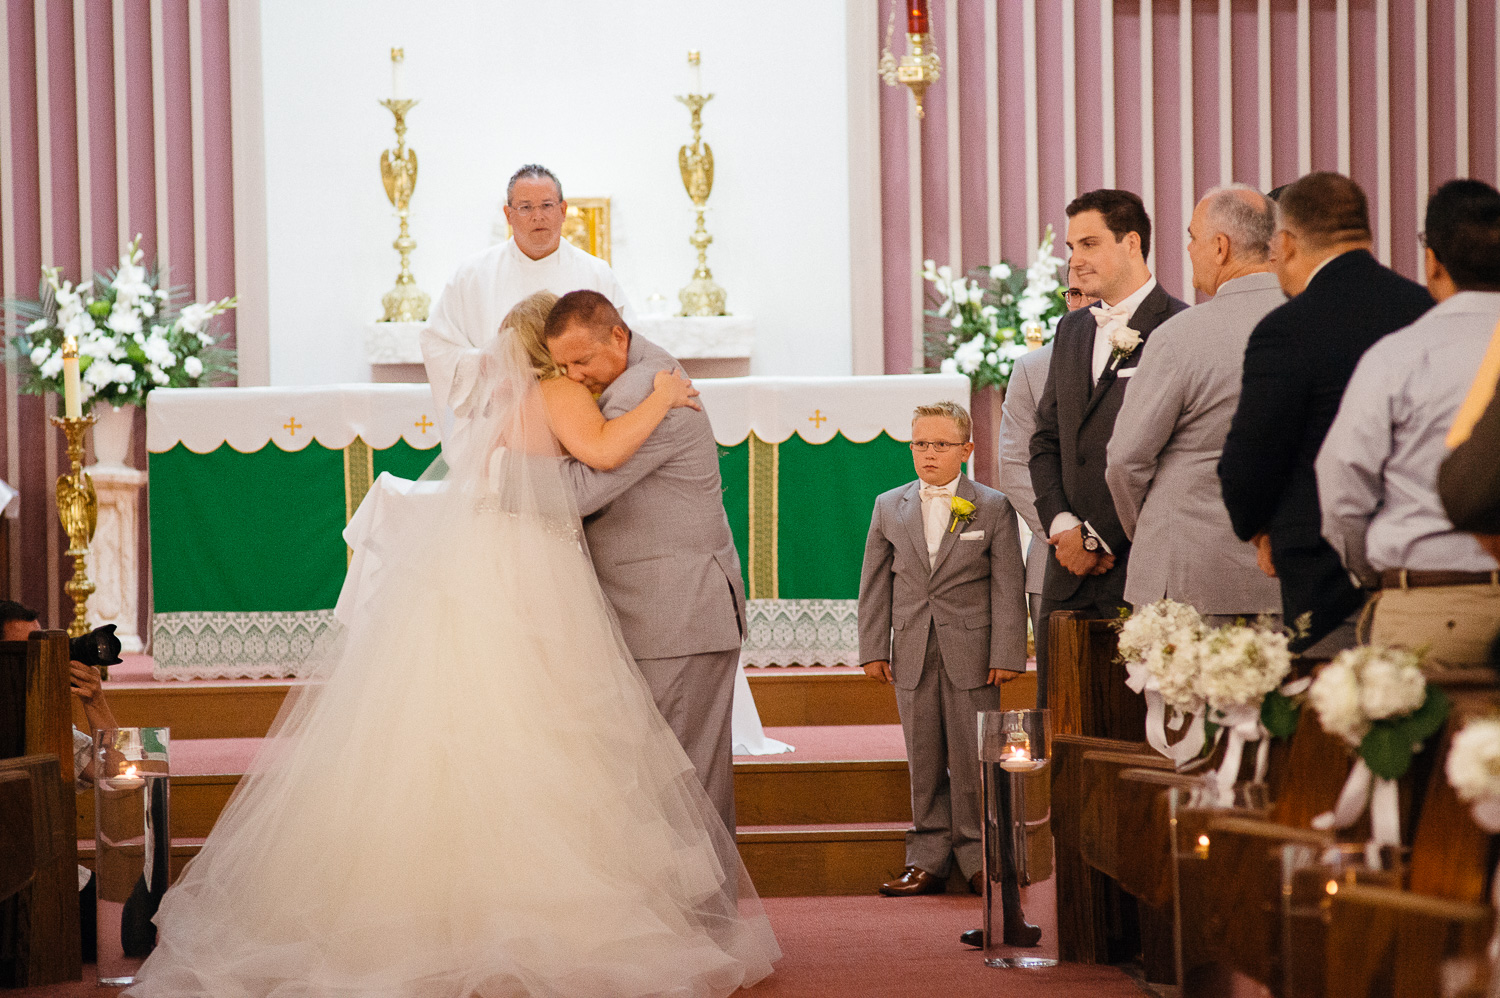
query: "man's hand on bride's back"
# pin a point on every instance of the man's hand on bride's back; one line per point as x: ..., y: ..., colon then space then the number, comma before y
x: 678, y: 389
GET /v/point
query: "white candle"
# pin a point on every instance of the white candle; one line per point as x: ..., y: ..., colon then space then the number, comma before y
x: 695, y: 64
x: 398, y: 56
x: 72, y: 405
x: 126, y: 781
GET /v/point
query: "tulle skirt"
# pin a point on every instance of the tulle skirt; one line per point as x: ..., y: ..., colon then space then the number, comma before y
x: 476, y: 797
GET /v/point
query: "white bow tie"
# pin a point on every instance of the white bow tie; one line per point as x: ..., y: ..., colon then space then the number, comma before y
x: 1108, y: 316
x: 935, y: 491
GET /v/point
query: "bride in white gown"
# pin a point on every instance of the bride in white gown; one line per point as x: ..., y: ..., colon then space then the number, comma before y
x: 475, y: 795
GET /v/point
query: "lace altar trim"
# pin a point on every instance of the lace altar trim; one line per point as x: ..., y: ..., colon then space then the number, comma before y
x: 239, y: 645
x: 802, y: 632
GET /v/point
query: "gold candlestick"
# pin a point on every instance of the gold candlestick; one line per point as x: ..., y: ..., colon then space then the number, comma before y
x: 78, y: 508
x: 696, y: 163
x: 398, y: 170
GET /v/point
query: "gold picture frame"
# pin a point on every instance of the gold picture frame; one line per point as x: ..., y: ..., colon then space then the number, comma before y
x: 586, y: 226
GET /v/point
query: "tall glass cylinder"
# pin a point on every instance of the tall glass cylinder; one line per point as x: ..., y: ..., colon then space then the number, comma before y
x: 132, y: 845
x: 1016, y: 781
x: 1311, y: 876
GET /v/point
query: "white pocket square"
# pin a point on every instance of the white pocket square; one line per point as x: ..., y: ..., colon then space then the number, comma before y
x: 1125, y: 373
x: 971, y: 535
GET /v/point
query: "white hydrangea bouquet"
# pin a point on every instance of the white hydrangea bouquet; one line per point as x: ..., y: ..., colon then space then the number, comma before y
x: 132, y: 335
x: 1376, y: 701
x: 1474, y: 770
x: 1204, y: 683
x: 980, y: 323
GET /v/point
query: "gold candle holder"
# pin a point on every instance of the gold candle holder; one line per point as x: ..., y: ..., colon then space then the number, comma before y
x: 696, y: 163
x: 921, y: 66
x: 78, y: 508
x: 398, y: 170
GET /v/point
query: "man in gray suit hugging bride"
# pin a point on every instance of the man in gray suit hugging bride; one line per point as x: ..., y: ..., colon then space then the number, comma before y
x: 942, y: 616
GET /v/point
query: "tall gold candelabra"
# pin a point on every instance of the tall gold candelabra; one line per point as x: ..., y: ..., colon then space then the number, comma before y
x: 696, y: 163
x: 398, y: 169
x: 78, y: 508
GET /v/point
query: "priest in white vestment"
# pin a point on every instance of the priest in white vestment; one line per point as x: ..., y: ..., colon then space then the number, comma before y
x: 486, y: 287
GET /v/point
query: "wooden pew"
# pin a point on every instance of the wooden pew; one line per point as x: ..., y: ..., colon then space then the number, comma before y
x: 1094, y: 717
x: 39, y: 938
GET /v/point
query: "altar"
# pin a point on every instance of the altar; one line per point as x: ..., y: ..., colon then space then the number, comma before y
x: 251, y: 489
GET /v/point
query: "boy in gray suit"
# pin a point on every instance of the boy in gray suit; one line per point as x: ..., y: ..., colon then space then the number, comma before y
x: 942, y: 616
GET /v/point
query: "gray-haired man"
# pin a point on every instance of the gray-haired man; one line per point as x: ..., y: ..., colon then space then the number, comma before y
x: 1171, y: 428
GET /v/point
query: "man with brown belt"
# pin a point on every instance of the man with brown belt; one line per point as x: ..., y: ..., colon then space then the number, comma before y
x: 1377, y: 471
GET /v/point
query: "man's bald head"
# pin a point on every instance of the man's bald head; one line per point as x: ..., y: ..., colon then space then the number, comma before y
x: 1230, y: 235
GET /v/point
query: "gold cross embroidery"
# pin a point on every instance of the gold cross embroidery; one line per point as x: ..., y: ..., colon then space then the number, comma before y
x: 292, y: 426
x: 817, y: 418
x: 423, y: 424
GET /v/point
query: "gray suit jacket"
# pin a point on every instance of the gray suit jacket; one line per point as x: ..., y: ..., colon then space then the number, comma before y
x: 1164, y: 455
x: 656, y: 527
x: 1017, y: 424
x: 975, y: 593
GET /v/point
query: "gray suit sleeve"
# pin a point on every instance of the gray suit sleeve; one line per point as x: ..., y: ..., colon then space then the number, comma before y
x: 595, y: 489
x: 1007, y: 596
x: 1147, y: 419
x: 1017, y: 424
x: 876, y: 590
x: 1351, y: 464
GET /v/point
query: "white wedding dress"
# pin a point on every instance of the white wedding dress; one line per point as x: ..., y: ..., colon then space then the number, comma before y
x: 476, y: 794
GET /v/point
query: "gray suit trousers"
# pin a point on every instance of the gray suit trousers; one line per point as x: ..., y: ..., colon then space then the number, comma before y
x: 941, y: 725
x: 695, y: 693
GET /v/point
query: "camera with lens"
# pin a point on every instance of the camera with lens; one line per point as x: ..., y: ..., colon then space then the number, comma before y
x: 97, y: 647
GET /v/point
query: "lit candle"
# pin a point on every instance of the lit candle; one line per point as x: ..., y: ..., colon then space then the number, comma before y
x: 126, y: 780
x: 1016, y: 755
x: 695, y: 62
x: 398, y: 56
x: 72, y: 405
x: 916, y: 17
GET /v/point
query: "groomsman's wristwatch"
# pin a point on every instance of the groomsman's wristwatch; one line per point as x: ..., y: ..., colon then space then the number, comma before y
x: 1090, y: 542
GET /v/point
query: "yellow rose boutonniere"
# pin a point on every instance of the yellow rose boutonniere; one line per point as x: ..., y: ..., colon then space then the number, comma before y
x: 963, y: 512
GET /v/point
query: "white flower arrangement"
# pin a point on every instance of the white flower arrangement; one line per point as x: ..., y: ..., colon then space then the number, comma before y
x: 1377, y: 701
x: 980, y: 323
x: 1163, y: 638
x: 1474, y: 760
x: 131, y: 336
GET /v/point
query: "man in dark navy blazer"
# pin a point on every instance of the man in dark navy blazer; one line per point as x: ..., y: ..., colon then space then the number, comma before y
x: 1297, y: 363
x: 1095, y: 354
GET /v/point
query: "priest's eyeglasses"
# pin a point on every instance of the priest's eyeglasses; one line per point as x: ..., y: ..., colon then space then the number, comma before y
x: 526, y: 210
x: 941, y: 446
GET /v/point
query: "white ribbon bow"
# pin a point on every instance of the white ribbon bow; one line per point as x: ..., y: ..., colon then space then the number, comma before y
x: 1363, y: 789
x: 1186, y: 749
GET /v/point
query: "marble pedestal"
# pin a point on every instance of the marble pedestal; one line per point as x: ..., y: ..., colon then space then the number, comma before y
x: 114, y: 555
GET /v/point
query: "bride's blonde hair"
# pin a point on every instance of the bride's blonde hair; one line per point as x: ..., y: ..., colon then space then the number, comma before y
x: 526, y: 320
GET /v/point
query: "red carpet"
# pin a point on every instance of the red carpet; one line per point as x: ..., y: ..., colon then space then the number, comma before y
x: 870, y: 947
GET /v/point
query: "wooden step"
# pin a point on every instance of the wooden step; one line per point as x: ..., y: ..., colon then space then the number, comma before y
x: 810, y: 861
x: 785, y: 697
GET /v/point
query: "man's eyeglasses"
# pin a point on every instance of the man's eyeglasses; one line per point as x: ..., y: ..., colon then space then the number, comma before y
x: 1074, y: 297
x: 941, y: 446
x: 527, y: 210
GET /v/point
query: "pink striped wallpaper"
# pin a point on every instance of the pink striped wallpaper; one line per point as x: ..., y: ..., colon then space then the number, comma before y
x: 44, y: 217
x: 1440, y: 144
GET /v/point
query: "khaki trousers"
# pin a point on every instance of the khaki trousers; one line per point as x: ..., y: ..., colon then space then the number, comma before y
x: 1455, y: 624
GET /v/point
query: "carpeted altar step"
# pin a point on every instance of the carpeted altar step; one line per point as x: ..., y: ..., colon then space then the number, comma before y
x: 837, y: 775
x: 819, y: 860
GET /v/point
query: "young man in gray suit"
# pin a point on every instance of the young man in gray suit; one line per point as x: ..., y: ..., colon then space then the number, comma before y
x: 660, y: 539
x: 1170, y: 431
x: 942, y: 615
x: 1094, y: 356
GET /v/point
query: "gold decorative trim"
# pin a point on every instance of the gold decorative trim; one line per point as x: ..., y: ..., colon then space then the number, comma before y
x: 765, y: 475
x: 359, y: 475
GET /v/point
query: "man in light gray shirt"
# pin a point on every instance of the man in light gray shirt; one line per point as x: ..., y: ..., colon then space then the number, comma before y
x: 1170, y: 432
x: 1377, y: 470
x: 1017, y: 424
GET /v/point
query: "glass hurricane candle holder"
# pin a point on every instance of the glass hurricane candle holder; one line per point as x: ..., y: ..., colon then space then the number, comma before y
x: 132, y: 846
x: 1015, y: 781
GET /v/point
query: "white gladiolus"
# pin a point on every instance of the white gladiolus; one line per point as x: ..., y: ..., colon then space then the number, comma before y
x: 192, y: 367
x: 52, y: 366
x: 124, y: 319
x: 157, y: 375
x: 1474, y: 760
x: 39, y: 356
x: 37, y: 327
x: 970, y: 355
x: 1000, y: 272
x: 195, y: 317
x: 948, y: 366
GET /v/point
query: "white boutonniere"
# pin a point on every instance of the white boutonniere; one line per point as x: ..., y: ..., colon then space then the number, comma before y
x: 1123, y: 340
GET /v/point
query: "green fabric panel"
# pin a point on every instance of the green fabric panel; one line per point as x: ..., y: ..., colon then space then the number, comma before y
x: 827, y: 494
x: 734, y: 472
x: 247, y: 532
x: 403, y: 460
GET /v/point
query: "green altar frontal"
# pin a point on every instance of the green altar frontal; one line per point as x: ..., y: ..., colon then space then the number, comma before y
x: 251, y: 489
